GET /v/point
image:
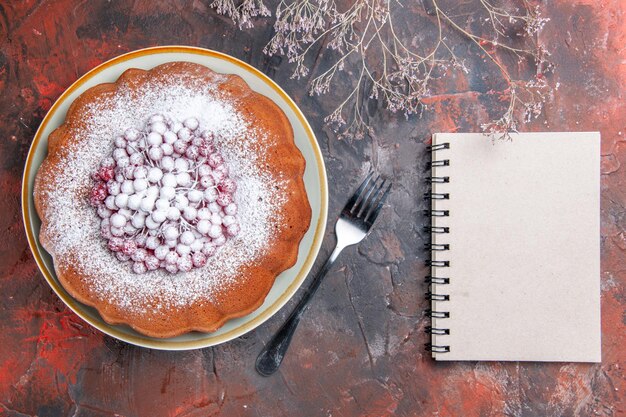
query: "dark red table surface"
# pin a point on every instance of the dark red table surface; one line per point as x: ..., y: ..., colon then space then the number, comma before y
x: 359, y: 351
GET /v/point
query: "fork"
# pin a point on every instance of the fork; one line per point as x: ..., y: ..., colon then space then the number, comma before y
x: 354, y: 223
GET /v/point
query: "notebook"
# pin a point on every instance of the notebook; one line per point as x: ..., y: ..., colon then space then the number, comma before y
x: 515, y: 249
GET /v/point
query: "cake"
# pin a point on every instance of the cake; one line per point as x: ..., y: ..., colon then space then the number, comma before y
x: 172, y: 199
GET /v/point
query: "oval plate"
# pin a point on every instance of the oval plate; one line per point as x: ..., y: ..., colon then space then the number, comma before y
x: 315, y: 182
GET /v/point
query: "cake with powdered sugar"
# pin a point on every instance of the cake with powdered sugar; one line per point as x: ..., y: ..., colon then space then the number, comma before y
x: 171, y: 199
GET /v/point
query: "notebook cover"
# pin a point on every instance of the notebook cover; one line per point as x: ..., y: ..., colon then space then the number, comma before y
x: 524, y: 247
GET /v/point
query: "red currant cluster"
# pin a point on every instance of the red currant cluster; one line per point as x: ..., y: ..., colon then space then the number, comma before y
x: 165, y: 197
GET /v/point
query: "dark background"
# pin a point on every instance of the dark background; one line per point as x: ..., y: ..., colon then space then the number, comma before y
x: 359, y: 351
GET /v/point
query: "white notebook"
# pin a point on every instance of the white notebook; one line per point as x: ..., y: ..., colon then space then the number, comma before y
x: 515, y: 253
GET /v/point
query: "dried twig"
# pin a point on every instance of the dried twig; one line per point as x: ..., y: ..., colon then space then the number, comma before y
x: 243, y: 12
x: 392, y: 69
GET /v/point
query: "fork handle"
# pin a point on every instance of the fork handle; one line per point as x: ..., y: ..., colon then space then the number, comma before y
x: 274, y: 351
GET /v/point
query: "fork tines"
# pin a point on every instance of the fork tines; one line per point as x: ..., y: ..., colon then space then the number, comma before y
x: 369, y: 198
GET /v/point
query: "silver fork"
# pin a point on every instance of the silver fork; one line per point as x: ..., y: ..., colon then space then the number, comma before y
x: 354, y: 223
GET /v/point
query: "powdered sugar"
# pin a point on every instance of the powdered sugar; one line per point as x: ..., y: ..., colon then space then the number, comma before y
x: 74, y: 226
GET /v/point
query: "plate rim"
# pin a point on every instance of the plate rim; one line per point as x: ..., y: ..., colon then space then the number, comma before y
x: 167, y: 344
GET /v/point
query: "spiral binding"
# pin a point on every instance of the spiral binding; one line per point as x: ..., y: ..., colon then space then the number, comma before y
x: 437, y: 348
x: 432, y: 148
x: 437, y: 213
x: 442, y: 163
x: 436, y: 196
x: 437, y: 247
x: 435, y: 330
x: 431, y: 296
x: 438, y: 314
x: 436, y: 280
x: 431, y: 229
x: 439, y: 264
x: 438, y: 180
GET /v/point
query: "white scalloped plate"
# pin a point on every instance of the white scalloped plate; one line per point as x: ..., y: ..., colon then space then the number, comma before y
x: 315, y: 181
